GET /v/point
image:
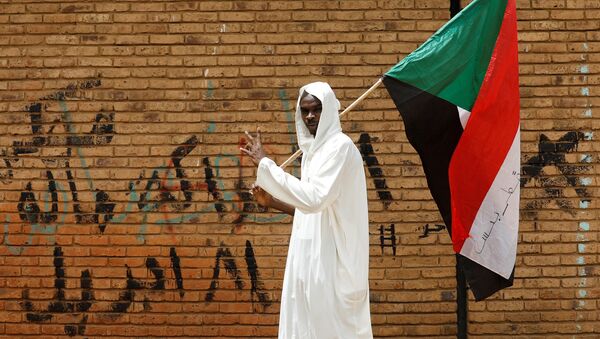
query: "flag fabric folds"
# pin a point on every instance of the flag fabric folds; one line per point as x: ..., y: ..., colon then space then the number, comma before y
x: 458, y: 95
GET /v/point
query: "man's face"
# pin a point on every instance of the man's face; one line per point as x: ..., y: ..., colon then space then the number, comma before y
x: 310, y: 108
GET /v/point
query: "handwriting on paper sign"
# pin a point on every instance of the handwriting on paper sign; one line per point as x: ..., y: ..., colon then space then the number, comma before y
x: 499, y: 215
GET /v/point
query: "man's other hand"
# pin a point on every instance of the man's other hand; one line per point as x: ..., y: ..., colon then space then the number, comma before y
x: 261, y: 196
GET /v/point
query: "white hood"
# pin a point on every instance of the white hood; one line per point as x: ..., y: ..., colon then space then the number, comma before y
x: 329, y: 123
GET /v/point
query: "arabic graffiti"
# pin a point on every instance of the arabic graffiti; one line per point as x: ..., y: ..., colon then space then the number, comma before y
x: 429, y: 229
x: 389, y: 240
x: 168, y: 189
x: 58, y: 202
x: 60, y: 303
x: 499, y: 215
x: 375, y: 171
x: 553, y: 153
x: 256, y: 286
x: 134, y: 290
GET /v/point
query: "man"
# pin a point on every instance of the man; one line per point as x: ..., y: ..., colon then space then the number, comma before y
x: 325, y: 286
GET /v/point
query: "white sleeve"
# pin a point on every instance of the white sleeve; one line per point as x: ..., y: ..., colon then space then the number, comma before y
x: 310, y: 196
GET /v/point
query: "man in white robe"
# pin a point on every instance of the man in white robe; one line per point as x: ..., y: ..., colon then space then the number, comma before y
x: 325, y: 286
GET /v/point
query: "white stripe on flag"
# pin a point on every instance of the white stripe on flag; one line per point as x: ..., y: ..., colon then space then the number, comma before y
x: 492, y: 241
x: 463, y: 115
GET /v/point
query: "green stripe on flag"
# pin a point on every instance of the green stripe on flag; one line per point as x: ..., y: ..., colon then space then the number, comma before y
x: 453, y: 62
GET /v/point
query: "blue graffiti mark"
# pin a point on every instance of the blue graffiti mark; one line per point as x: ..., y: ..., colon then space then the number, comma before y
x: 141, y: 236
x: 11, y: 249
x: 218, y: 161
x: 212, y: 127
x: 585, y: 91
x: 209, y: 93
x: 275, y: 218
x: 580, y: 260
x: 210, y: 89
x: 586, y: 158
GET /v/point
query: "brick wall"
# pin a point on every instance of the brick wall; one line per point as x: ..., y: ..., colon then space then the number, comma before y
x: 124, y: 209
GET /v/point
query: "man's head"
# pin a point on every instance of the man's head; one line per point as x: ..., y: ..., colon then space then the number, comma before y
x: 310, y: 109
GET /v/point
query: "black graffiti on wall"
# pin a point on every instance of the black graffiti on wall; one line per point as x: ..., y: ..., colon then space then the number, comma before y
x: 553, y: 154
x: 127, y: 297
x: 175, y: 263
x: 134, y: 290
x: 241, y: 203
x: 29, y: 209
x: 43, y: 132
x: 375, y: 171
x: 256, y: 285
x: 211, y: 185
x: 387, y: 238
x: 427, y: 229
x: 229, y: 264
x: 166, y: 191
x: 7, y: 174
x: 225, y: 257
x: 159, y: 193
x: 60, y: 303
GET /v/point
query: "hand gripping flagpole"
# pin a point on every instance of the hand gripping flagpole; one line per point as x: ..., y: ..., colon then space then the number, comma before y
x: 348, y: 109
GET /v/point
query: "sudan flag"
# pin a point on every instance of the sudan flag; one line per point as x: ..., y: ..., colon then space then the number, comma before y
x: 458, y: 95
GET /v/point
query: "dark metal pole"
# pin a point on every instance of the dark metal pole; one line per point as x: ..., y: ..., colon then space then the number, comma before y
x: 461, y: 302
x: 454, y: 7
x: 461, y: 281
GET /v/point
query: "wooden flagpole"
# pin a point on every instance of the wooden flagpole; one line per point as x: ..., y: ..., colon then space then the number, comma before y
x: 348, y: 109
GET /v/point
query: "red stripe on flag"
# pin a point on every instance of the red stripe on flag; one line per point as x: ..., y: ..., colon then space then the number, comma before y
x: 489, y: 133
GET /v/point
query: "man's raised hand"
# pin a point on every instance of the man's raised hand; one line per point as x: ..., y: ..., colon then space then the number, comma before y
x: 254, y: 147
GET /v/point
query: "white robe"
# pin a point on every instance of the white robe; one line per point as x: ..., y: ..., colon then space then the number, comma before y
x: 326, y: 287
